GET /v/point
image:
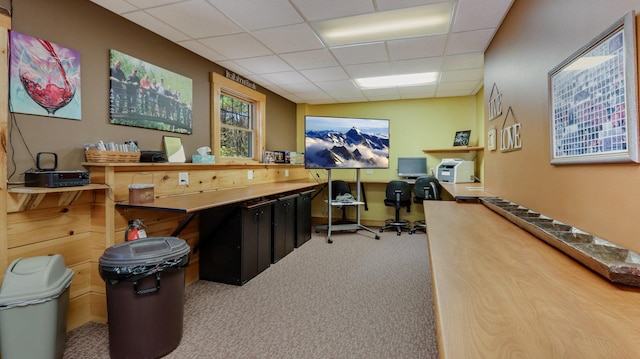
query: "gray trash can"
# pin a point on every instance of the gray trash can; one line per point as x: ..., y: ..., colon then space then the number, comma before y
x: 145, y: 296
x: 33, y: 308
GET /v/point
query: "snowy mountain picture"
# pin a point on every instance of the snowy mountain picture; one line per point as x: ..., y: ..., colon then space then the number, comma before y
x: 333, y: 142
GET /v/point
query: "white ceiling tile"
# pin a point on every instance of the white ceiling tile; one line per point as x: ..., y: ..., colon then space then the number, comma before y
x: 196, y: 18
x: 325, y: 74
x: 457, y: 86
x: 264, y: 64
x: 462, y: 75
x: 314, y: 10
x: 466, y: 42
x: 384, y: 5
x: 427, y: 46
x: 417, y: 91
x: 263, y: 14
x: 285, y: 78
x: 117, y: 6
x: 430, y: 64
x: 361, y: 54
x: 453, y: 93
x: 237, y: 46
x: 312, y: 59
x: 202, y: 50
x: 480, y: 14
x: 300, y: 88
x: 382, y: 94
x: 464, y: 61
x: 143, y: 4
x: 151, y: 23
x: 290, y: 38
x: 369, y: 70
x: 340, y: 88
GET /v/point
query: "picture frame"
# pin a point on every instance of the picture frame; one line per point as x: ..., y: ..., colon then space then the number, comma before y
x: 462, y: 138
x: 174, y: 149
x: 593, y: 100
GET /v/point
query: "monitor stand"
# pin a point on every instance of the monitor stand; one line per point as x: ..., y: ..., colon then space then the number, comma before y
x: 329, y: 227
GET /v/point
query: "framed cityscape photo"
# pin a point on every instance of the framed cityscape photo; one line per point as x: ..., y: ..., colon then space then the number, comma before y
x: 593, y: 100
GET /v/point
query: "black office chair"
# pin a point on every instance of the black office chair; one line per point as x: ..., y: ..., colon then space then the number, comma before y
x: 340, y: 188
x: 398, y: 195
x: 426, y: 188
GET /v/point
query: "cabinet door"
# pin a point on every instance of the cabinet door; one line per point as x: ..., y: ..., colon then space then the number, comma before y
x: 264, y: 238
x: 303, y: 218
x: 290, y: 225
x: 220, y: 245
x: 249, y: 261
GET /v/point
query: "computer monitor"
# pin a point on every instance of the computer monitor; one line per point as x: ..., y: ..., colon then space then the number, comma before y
x: 412, y: 167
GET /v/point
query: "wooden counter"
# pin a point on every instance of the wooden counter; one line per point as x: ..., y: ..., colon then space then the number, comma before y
x: 193, y: 202
x: 502, y: 293
x: 465, y: 191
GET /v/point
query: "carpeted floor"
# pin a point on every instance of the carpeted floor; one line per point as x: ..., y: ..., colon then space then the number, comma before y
x: 356, y: 298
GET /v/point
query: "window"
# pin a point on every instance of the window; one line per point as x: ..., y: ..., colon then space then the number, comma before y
x: 238, y: 121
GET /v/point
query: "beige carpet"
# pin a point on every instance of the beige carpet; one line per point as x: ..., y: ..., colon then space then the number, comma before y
x: 355, y: 298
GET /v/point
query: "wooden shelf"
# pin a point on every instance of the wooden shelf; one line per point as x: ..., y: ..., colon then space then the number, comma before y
x: 454, y: 149
x: 30, y: 197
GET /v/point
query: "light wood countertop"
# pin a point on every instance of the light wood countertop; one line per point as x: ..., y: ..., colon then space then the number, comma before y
x: 193, y: 202
x: 502, y: 293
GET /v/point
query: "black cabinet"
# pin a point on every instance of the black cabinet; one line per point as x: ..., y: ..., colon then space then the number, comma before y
x: 235, y: 242
x: 303, y: 218
x: 284, y: 227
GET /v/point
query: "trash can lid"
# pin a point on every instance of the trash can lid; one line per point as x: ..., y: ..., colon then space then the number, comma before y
x: 145, y: 251
x: 33, y: 280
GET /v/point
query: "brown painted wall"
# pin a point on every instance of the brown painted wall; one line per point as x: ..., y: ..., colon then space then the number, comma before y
x: 93, y: 31
x: 536, y: 36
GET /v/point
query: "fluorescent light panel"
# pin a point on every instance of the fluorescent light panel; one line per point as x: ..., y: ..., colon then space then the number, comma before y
x: 406, y: 80
x: 417, y: 21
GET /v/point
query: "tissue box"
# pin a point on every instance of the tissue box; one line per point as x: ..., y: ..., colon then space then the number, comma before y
x: 203, y: 158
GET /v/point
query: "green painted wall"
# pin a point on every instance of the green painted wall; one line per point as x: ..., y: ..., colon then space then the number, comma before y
x: 415, y: 125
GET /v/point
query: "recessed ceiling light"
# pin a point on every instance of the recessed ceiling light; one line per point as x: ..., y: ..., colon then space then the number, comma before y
x: 406, y: 80
x: 424, y: 20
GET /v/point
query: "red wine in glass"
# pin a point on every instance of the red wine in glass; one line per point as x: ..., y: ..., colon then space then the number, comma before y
x: 45, y: 79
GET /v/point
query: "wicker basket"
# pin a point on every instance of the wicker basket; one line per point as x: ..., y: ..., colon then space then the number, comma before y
x: 111, y: 156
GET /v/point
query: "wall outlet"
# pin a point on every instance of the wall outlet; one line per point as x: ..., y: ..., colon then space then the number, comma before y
x: 183, y: 178
x: 286, y: 173
x: 250, y: 174
x: 369, y: 171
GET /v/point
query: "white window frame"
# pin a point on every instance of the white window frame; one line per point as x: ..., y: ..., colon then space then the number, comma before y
x: 222, y: 85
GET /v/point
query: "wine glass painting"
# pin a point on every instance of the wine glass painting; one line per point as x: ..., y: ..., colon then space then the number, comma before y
x: 44, y: 78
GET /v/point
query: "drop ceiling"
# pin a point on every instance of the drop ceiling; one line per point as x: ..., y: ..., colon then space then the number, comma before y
x: 273, y: 43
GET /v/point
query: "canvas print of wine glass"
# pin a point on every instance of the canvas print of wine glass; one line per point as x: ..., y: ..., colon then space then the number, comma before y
x: 44, y: 78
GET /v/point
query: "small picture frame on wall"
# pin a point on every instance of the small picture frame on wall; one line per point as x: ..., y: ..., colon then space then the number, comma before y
x: 462, y: 138
x: 593, y: 100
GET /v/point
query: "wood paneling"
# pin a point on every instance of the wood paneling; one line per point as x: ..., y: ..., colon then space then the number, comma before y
x: 35, y: 226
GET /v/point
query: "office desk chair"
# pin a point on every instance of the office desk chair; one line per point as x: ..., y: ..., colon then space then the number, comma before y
x: 426, y: 188
x: 398, y: 195
x: 340, y: 188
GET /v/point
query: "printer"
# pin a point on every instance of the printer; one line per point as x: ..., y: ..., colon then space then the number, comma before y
x: 456, y: 170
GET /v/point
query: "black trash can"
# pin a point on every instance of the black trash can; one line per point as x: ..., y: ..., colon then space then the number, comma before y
x: 145, y: 296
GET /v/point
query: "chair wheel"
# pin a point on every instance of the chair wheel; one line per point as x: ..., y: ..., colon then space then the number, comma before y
x: 377, y: 236
x: 381, y: 230
x: 329, y: 240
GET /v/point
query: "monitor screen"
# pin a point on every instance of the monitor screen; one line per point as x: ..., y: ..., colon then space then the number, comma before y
x: 412, y: 167
x: 346, y: 142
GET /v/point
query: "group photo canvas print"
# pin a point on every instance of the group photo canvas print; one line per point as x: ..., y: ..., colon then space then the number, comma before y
x: 148, y: 96
x: 44, y: 78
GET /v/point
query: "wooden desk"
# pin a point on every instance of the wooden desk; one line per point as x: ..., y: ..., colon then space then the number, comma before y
x: 502, y: 293
x: 194, y: 202
x: 465, y: 192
